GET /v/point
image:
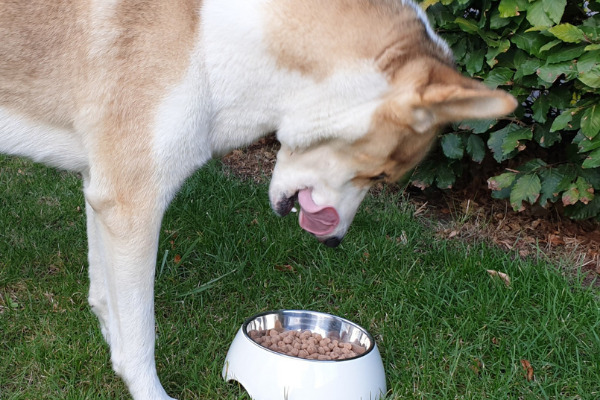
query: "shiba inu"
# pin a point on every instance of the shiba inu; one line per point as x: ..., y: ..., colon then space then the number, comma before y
x: 137, y: 94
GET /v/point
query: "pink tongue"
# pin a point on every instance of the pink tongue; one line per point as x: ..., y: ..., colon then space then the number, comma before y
x: 319, y: 220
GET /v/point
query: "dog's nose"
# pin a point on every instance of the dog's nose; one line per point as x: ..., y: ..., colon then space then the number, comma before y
x: 332, y: 241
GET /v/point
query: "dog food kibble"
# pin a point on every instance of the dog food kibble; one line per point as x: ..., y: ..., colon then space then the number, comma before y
x: 305, y: 344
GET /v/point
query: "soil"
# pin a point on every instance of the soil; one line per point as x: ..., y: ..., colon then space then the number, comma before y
x: 469, y: 213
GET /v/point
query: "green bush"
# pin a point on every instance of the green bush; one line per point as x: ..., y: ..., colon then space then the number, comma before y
x: 547, y: 54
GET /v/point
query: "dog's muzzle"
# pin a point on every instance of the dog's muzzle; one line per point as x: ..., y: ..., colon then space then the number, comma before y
x: 332, y: 241
x: 284, y: 205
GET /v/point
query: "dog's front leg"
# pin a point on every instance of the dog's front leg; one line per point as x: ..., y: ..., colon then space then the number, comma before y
x: 123, y: 239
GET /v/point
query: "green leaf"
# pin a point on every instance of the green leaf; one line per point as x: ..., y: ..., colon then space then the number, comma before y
x: 551, y: 178
x: 587, y: 145
x: 592, y: 160
x: 586, y: 191
x: 478, y: 125
x: 496, y: 141
x: 544, y: 137
x: 537, y: 16
x: 531, y: 42
x: 562, y: 121
x: 445, y: 178
x: 567, y: 33
x: 580, y: 190
x: 498, y: 76
x: 591, y: 78
x: 554, y: 9
x: 473, y: 61
x: 582, y: 211
x: 476, y: 148
x: 513, y: 139
x: 424, y: 174
x: 526, y: 188
x: 540, y: 108
x: 550, y: 45
x: 494, y: 51
x: 467, y: 25
x: 528, y: 67
x: 588, y: 61
x: 532, y: 166
x: 549, y: 73
x: 590, y: 121
x: 568, y: 175
x: 453, y: 146
x: 565, y: 53
x: 508, y: 8
x: 591, y: 47
x: 497, y: 21
x: 501, y: 181
x: 571, y: 195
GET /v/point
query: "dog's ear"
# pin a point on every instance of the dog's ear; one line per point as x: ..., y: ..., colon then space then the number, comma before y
x: 452, y: 97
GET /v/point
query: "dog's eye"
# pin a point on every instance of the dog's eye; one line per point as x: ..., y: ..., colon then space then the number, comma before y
x: 379, y: 177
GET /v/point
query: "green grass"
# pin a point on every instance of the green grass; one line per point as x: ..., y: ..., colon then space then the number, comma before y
x: 445, y: 329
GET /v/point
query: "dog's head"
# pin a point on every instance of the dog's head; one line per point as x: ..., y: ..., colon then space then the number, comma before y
x: 372, y: 109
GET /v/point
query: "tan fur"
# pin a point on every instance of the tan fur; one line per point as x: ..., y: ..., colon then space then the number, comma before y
x: 48, y: 74
x: 354, y: 29
x: 152, y: 50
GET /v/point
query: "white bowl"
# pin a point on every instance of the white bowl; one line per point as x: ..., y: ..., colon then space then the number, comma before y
x: 268, y: 375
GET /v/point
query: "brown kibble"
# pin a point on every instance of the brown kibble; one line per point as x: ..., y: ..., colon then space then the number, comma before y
x: 306, y: 345
x: 305, y: 335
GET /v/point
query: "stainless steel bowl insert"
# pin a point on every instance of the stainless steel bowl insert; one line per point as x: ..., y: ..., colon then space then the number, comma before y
x: 326, y: 325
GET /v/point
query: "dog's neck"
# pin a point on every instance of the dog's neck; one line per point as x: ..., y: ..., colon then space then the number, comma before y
x: 242, y: 70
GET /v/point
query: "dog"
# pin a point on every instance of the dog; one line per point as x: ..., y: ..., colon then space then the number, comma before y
x: 135, y: 95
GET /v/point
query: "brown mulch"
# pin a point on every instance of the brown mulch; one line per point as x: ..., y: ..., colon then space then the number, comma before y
x: 471, y: 214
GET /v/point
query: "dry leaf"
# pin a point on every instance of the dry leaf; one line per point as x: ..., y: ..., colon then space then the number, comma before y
x: 505, y: 278
x: 284, y: 268
x: 177, y: 258
x: 555, y: 240
x: 528, y: 370
x: 477, y: 366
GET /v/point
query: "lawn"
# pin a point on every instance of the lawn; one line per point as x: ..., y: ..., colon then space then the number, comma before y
x: 446, y: 329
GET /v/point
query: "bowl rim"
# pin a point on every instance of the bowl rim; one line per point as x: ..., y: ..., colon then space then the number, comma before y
x: 252, y: 318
